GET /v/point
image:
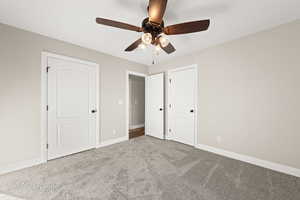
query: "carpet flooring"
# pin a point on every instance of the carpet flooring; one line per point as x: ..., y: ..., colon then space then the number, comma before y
x: 149, y: 169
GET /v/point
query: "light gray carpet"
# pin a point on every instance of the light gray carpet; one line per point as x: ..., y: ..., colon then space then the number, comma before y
x: 149, y: 169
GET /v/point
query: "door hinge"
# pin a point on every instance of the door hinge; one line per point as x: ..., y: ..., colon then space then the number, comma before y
x: 170, y: 106
x: 170, y: 130
x: 170, y: 80
x: 47, y: 146
x: 47, y: 107
x: 47, y: 69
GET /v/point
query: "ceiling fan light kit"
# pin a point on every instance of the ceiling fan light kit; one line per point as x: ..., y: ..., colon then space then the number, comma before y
x: 164, y: 41
x: 147, y: 38
x: 154, y: 30
x: 157, y: 49
x: 142, y: 46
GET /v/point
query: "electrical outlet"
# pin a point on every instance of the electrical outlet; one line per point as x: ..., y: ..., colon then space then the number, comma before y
x: 114, y: 132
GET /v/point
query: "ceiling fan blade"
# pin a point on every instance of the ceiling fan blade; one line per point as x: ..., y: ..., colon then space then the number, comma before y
x: 188, y: 27
x: 157, y: 10
x: 134, y: 45
x: 169, y: 48
x: 116, y: 24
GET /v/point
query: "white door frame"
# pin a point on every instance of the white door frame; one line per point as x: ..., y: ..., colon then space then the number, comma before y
x: 127, y: 98
x: 194, y: 66
x: 44, y: 100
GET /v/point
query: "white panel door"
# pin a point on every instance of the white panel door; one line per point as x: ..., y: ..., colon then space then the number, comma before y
x: 72, y: 107
x: 181, y: 118
x: 155, y: 105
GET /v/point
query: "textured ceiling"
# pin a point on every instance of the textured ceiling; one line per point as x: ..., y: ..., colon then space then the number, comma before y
x: 74, y: 21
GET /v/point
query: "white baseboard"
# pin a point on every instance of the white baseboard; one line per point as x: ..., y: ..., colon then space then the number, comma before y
x: 30, y: 163
x: 8, y: 197
x: 113, y: 141
x: 20, y: 165
x: 136, y: 126
x: 255, y: 161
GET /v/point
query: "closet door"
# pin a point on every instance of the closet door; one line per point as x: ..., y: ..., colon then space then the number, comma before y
x: 72, y: 107
x: 182, y: 105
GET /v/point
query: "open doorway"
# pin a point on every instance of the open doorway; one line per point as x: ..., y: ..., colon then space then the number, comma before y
x: 136, y: 105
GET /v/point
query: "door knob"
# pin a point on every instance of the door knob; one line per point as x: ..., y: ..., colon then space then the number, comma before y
x: 192, y: 110
x: 160, y: 109
x: 94, y: 111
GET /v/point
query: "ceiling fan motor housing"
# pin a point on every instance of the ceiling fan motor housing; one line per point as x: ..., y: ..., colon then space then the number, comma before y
x: 152, y: 28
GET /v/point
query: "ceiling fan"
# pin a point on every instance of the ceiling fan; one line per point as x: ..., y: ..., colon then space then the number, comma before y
x: 154, y: 30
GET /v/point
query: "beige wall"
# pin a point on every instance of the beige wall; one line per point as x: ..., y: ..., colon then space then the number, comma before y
x: 136, y: 100
x: 20, y: 90
x: 249, y: 94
